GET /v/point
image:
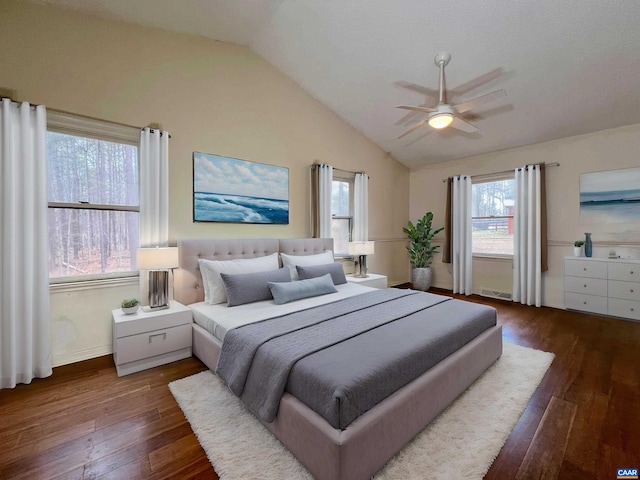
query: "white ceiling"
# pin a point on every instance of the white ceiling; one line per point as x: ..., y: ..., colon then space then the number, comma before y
x: 569, y: 66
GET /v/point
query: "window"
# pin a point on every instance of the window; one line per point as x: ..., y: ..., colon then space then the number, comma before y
x: 93, y: 185
x: 492, y: 216
x: 341, y: 213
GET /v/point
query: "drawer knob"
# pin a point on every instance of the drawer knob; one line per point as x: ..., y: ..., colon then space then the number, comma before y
x: 631, y: 272
x: 585, y: 285
x: 585, y: 269
x: 631, y: 290
x: 584, y: 302
x: 632, y: 309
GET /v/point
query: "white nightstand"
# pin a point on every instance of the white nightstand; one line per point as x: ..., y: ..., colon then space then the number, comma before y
x: 374, y: 280
x: 148, y: 339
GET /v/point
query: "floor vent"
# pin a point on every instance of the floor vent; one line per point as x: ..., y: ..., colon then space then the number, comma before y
x: 495, y: 294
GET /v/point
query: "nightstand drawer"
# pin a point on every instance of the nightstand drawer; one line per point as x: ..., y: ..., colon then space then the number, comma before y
x: 149, y: 344
x: 588, y: 286
x: 586, y: 303
x: 628, y: 272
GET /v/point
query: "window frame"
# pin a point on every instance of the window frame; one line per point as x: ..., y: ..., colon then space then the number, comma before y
x: 350, y: 178
x: 80, y: 126
x: 491, y: 178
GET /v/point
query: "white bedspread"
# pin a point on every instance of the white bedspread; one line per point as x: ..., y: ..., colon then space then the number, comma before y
x: 218, y: 319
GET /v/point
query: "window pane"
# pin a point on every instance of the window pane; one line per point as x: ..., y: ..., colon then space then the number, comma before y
x: 340, y: 228
x: 493, y: 235
x: 87, y: 242
x: 340, y: 199
x: 492, y: 198
x: 88, y: 170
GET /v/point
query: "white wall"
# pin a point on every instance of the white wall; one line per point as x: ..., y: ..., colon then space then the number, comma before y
x: 212, y: 97
x: 606, y: 150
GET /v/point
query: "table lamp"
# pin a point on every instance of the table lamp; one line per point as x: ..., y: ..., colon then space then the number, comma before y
x: 361, y: 250
x: 158, y: 261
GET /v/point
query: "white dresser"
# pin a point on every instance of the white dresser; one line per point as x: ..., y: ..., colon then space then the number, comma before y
x: 603, y: 286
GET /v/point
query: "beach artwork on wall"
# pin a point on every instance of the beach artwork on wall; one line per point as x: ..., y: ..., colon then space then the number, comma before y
x: 610, y: 197
x: 239, y: 191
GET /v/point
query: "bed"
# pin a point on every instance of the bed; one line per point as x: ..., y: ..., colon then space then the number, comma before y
x: 361, y: 448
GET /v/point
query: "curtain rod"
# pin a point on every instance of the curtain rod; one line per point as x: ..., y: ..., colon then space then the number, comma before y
x: 316, y: 165
x: 554, y: 164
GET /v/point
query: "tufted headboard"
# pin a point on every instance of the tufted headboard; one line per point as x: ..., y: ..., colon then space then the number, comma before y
x: 187, y: 281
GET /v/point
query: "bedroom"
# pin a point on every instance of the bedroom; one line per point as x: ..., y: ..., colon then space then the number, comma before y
x: 206, y: 94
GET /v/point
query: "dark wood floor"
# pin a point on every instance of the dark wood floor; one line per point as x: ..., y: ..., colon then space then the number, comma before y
x: 85, y: 422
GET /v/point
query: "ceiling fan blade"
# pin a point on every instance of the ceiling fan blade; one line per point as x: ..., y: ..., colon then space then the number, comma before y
x: 463, y: 126
x: 417, y: 109
x: 414, y: 128
x: 429, y: 92
x: 476, y: 82
x: 476, y: 102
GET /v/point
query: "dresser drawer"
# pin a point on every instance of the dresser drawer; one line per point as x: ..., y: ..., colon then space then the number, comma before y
x: 624, y: 308
x: 588, y: 286
x: 586, y: 303
x: 585, y: 268
x: 628, y: 272
x: 626, y: 290
x: 156, y: 342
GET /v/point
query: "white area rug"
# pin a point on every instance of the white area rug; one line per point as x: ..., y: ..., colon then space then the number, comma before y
x: 461, y: 442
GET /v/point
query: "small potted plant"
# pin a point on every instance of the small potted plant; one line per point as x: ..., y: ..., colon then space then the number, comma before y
x: 130, y: 306
x: 577, y: 248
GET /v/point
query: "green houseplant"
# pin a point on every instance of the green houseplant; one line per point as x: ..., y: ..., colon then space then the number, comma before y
x: 577, y: 248
x: 421, y: 250
x: 130, y: 306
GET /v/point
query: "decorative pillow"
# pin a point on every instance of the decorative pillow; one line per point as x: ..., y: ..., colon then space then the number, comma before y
x: 292, y: 261
x: 334, y: 269
x: 205, y: 283
x: 290, y: 291
x: 213, y: 268
x: 244, y: 288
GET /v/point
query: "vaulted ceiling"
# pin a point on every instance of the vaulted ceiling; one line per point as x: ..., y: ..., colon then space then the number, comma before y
x: 569, y: 67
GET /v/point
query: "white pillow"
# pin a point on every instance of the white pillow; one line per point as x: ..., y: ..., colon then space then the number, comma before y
x: 290, y: 261
x: 211, y: 269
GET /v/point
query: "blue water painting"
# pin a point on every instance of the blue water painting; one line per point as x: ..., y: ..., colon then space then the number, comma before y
x: 216, y: 207
x: 239, y: 191
x: 610, y: 197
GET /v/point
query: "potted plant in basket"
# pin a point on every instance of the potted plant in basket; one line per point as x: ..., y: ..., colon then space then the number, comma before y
x: 577, y: 248
x: 130, y: 306
x: 421, y: 251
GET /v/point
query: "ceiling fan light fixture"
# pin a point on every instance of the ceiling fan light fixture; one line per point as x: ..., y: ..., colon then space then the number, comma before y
x: 440, y: 120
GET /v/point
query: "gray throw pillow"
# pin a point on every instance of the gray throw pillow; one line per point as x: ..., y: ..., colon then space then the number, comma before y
x: 334, y: 269
x: 313, y: 287
x: 242, y: 288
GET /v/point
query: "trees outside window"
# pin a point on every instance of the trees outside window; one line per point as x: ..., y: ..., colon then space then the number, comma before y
x: 93, y: 187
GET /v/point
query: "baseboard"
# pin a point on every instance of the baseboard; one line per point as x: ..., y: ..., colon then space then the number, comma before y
x: 79, y: 356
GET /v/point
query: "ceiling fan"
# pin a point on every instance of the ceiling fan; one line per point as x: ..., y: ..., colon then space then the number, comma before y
x: 445, y: 114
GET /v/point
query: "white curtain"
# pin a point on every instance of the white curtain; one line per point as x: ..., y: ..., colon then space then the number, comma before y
x: 361, y: 207
x: 461, y: 232
x: 527, y: 245
x: 325, y: 183
x: 25, y: 332
x: 154, y: 188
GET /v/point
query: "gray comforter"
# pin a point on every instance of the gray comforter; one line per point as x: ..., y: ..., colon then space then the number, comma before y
x: 343, y: 358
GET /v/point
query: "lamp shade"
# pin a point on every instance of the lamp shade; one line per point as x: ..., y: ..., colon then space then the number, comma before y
x: 157, y: 258
x: 361, y: 248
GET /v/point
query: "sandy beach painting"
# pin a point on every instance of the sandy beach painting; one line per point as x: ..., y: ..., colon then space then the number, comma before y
x: 230, y: 190
x: 610, y: 197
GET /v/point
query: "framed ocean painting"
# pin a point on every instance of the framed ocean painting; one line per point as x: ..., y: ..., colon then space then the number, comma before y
x: 610, y: 197
x: 231, y: 190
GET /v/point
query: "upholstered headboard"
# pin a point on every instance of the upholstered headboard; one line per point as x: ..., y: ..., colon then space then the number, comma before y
x: 187, y: 284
